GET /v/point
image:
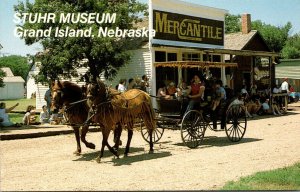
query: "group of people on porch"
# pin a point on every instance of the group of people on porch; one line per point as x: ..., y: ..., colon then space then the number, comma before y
x: 256, y: 102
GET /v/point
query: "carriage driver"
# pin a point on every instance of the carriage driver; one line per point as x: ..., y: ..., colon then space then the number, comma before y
x: 217, y: 105
x: 197, y: 93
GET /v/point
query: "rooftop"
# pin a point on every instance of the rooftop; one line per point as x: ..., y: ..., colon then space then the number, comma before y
x: 237, y: 41
x: 13, y: 79
x: 7, y: 71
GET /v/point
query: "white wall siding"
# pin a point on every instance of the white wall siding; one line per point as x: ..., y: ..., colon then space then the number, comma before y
x: 12, y: 90
x: 30, y: 87
x: 139, y: 65
x: 291, y: 72
x: 40, y: 93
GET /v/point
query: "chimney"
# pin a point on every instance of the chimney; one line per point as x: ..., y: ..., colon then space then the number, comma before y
x: 246, y: 23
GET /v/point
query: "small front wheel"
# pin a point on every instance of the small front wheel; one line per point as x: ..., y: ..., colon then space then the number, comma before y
x: 193, y: 128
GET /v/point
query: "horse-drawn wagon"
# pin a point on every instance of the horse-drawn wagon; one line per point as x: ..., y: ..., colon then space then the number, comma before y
x: 108, y: 109
x: 193, y: 124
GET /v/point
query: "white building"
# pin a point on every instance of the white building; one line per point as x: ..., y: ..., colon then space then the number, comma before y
x: 14, y: 86
x: 183, y: 32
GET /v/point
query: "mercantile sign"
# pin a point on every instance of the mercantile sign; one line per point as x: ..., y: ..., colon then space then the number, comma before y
x: 178, y: 27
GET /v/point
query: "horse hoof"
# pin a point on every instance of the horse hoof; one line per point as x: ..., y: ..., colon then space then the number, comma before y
x: 151, y: 152
x: 98, y: 160
x: 125, y: 155
x: 91, y: 146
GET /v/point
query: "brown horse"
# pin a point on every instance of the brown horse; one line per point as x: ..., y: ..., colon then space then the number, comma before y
x: 110, y: 108
x: 71, y: 97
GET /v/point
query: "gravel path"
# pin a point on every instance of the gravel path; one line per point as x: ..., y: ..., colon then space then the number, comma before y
x: 48, y: 163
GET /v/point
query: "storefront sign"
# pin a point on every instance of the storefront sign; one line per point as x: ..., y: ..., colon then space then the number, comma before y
x: 178, y: 27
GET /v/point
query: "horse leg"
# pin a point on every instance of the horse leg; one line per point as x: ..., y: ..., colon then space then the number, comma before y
x: 117, y: 136
x: 130, y: 133
x: 105, y: 134
x: 149, y: 126
x: 77, y: 136
x: 84, y: 130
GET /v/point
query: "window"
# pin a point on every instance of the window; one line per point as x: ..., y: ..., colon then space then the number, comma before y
x: 191, y: 56
x: 172, y: 56
x: 160, y: 56
x: 212, y: 58
x: 165, y: 74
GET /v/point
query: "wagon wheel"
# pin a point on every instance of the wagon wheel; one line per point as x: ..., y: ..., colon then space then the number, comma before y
x: 193, y: 128
x: 236, y: 123
x: 157, y: 132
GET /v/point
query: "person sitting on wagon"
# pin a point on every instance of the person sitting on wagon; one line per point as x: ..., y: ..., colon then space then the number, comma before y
x: 197, y: 93
x: 220, y: 94
x: 217, y: 101
x: 163, y: 92
x: 171, y: 89
x: 183, y: 90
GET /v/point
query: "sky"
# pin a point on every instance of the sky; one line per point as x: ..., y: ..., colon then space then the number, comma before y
x: 274, y: 12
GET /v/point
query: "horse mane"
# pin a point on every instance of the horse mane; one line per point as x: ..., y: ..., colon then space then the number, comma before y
x: 76, y: 113
x: 71, y: 89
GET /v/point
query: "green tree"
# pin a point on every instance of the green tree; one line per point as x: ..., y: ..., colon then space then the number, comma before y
x: 18, y: 65
x: 232, y: 23
x: 275, y: 37
x: 291, y: 50
x: 2, y: 75
x: 62, y: 56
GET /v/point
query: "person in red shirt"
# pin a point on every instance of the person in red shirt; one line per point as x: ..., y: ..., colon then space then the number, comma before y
x: 197, y: 93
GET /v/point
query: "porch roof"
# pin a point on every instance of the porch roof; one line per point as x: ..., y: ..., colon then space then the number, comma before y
x: 193, y: 64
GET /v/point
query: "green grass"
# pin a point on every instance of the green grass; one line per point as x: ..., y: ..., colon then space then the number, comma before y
x: 23, y: 103
x: 18, y: 117
x: 287, y: 178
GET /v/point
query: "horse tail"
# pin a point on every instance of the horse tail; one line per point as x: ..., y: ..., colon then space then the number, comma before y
x: 150, y: 121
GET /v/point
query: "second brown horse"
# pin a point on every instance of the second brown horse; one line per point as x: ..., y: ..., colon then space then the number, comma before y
x: 109, y: 109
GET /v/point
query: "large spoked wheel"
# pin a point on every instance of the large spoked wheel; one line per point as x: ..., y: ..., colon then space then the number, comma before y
x: 236, y: 123
x: 193, y: 128
x: 157, y: 132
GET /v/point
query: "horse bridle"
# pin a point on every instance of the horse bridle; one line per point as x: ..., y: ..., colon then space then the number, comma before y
x: 97, y: 85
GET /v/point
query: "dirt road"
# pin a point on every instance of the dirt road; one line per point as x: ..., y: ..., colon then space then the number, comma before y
x: 48, y: 163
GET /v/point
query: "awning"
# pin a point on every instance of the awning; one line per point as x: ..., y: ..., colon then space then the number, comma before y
x: 243, y: 52
x: 194, y: 64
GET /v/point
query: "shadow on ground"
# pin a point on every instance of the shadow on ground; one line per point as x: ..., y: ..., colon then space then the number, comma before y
x: 132, y: 157
x: 212, y: 141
